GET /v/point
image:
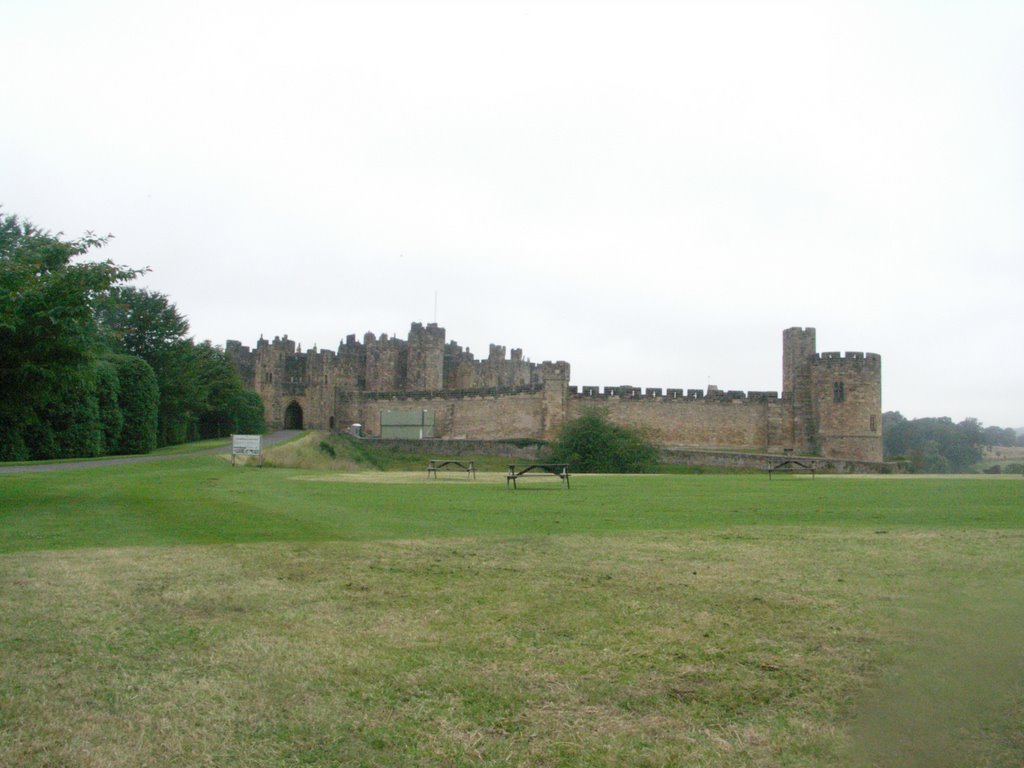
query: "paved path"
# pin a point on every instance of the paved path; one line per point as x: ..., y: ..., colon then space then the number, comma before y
x: 275, y: 437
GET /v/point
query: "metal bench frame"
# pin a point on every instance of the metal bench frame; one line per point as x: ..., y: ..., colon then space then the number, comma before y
x: 561, y: 471
x: 789, y: 465
x: 439, y: 465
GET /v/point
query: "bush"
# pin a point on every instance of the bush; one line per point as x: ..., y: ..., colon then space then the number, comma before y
x: 138, y: 399
x: 108, y: 390
x: 69, y: 416
x: 592, y: 443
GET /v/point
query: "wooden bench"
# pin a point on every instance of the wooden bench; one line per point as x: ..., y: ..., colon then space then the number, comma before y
x: 560, y: 471
x: 437, y: 465
x: 789, y: 465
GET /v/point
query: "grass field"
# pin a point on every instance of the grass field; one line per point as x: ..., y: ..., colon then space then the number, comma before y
x: 190, y: 613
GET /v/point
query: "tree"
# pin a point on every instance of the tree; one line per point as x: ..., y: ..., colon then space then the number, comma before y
x: 592, y: 443
x: 49, y: 403
x: 933, y: 444
x: 230, y: 408
x: 136, y: 321
x: 995, y: 436
x: 201, y: 394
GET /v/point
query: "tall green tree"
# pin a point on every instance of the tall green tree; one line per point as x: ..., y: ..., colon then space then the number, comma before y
x: 144, y: 323
x: 141, y: 322
x: 200, y: 393
x: 230, y: 408
x: 49, y: 402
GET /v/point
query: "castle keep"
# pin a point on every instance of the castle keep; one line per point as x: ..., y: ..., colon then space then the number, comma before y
x: 831, y: 404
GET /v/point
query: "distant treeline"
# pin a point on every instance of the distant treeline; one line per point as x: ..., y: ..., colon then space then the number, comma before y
x: 91, y: 366
x: 939, y: 444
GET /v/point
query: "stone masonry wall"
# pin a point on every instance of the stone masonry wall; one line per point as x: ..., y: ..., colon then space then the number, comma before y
x: 478, y: 417
x: 758, y: 424
x: 846, y: 394
x: 830, y: 405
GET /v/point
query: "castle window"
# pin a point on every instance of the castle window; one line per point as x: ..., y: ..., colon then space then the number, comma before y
x: 838, y: 392
x: 874, y: 423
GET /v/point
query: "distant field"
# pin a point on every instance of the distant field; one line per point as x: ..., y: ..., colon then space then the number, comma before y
x: 191, y: 613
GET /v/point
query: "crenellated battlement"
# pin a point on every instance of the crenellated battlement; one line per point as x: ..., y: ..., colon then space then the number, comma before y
x: 657, y: 394
x: 387, y: 363
x: 454, y: 394
x: 853, y: 359
x: 283, y: 344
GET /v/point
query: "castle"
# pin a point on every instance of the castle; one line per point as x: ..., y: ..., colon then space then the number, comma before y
x: 830, y: 406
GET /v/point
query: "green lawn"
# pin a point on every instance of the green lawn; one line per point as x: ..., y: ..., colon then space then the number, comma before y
x: 189, y: 613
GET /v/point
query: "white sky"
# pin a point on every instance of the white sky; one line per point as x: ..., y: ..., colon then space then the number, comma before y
x: 651, y: 191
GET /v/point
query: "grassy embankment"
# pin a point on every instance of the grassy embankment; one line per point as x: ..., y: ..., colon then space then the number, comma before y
x: 339, y: 452
x: 189, y: 612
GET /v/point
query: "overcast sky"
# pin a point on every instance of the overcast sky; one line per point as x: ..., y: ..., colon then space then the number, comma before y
x: 651, y: 191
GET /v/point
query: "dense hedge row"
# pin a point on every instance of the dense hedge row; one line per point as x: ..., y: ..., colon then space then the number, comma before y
x: 90, y: 366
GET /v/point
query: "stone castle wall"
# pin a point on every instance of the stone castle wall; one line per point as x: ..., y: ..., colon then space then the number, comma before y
x: 738, y: 421
x: 830, y: 404
x: 474, y: 416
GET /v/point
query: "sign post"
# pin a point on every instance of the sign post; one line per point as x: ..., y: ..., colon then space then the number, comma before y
x: 246, y: 445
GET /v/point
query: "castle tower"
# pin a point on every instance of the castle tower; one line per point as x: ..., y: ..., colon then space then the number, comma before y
x: 385, y: 363
x: 836, y: 399
x: 798, y: 349
x: 555, y: 378
x: 425, y: 362
x: 846, y: 399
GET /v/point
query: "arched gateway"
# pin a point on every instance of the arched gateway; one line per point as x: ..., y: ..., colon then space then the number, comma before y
x: 293, y: 416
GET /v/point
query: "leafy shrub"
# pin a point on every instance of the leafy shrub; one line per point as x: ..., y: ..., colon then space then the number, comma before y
x: 69, y: 416
x: 138, y: 400
x: 108, y: 389
x: 592, y: 443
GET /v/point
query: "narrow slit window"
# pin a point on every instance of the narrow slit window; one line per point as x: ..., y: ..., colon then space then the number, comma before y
x: 838, y: 392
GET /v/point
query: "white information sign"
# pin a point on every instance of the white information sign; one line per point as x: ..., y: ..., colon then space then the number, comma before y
x: 246, y: 445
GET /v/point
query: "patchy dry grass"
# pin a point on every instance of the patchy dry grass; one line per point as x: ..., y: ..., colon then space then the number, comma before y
x: 739, y: 646
x: 193, y: 613
x: 306, y: 452
x: 333, y: 452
